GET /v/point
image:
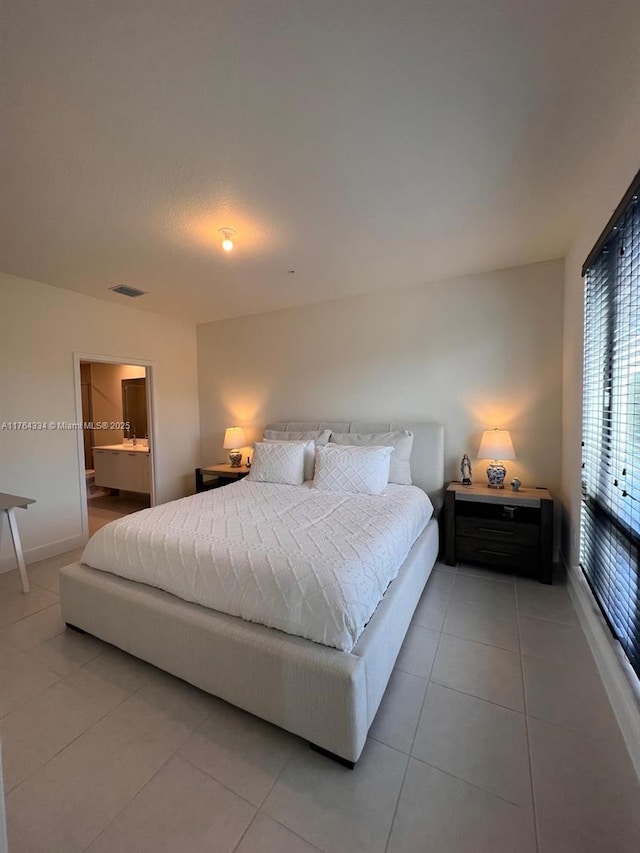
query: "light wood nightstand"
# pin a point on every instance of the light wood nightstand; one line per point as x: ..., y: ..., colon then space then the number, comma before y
x: 500, y: 527
x: 213, y: 476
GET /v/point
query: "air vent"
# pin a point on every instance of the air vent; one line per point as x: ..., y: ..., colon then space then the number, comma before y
x: 125, y: 290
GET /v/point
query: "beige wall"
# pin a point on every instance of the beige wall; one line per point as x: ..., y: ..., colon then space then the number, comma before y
x: 40, y: 329
x: 471, y: 353
x: 612, y: 171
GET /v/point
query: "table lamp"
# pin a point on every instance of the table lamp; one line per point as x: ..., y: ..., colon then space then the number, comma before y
x: 234, y: 439
x: 496, y: 444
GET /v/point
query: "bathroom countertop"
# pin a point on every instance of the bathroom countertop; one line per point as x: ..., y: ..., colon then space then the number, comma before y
x: 135, y: 448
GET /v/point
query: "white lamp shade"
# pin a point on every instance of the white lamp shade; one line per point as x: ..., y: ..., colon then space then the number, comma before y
x: 234, y: 438
x: 496, y: 444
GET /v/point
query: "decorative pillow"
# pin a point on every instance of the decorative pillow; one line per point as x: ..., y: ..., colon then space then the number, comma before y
x: 352, y: 469
x: 309, y: 453
x: 400, y: 440
x: 281, y: 462
x: 319, y: 436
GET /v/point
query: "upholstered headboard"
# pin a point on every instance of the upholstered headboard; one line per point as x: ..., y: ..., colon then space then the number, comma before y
x: 427, y: 455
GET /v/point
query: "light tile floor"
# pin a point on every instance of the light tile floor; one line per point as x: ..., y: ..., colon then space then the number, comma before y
x: 106, y: 507
x: 495, y: 736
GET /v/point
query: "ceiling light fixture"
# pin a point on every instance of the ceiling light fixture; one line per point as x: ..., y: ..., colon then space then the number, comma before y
x: 227, y: 242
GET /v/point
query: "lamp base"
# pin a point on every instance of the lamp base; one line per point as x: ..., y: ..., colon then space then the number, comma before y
x: 496, y: 472
x: 235, y: 458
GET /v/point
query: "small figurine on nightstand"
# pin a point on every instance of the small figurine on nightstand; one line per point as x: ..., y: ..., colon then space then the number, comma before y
x: 465, y: 470
x: 248, y: 462
x: 515, y: 484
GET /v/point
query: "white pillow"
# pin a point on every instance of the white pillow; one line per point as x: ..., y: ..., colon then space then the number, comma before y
x: 309, y: 453
x: 352, y: 469
x: 281, y: 462
x: 400, y: 440
x: 319, y: 436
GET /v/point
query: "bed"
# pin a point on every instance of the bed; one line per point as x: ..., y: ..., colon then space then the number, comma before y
x: 323, y: 694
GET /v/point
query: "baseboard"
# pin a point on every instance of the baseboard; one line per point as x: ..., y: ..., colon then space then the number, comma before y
x: 619, y: 679
x: 41, y: 552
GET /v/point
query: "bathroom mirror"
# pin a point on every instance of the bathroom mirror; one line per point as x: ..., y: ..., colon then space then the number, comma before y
x: 134, y: 406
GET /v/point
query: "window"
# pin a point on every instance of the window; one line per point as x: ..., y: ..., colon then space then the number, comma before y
x: 610, y: 515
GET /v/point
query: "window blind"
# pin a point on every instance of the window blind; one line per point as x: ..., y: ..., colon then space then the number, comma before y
x: 610, y: 511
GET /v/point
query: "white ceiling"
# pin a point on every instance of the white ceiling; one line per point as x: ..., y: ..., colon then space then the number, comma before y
x: 365, y: 144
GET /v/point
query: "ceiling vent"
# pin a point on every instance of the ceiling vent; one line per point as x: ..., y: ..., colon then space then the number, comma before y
x: 125, y: 290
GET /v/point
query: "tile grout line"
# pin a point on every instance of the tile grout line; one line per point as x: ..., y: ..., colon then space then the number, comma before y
x: 36, y: 695
x: 297, y: 834
x: 172, y: 754
x: 247, y: 828
x: 526, y: 724
x: 413, y: 739
x: 27, y: 652
x: 186, y: 758
x: 467, y: 782
x: 430, y: 680
x: 463, y: 574
x: 524, y: 714
x: 499, y: 604
x: 35, y: 612
x: 551, y: 621
x: 480, y: 642
x: 82, y: 733
x: 479, y: 698
x: 129, y: 801
x: 278, y: 775
x: 73, y: 669
x: 280, y: 823
x: 219, y: 781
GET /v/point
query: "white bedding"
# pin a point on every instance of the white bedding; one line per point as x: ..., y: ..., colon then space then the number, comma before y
x: 312, y: 563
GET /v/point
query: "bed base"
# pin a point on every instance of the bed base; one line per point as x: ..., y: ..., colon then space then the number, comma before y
x: 325, y: 696
x: 314, y: 746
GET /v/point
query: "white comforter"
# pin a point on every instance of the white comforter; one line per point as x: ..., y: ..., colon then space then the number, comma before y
x: 312, y: 563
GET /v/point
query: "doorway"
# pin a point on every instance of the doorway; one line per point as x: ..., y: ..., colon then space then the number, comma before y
x: 114, y: 403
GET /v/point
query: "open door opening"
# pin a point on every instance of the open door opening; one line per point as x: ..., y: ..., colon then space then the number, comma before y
x: 116, y: 443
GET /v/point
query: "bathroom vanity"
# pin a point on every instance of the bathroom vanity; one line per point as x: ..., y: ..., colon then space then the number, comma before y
x: 123, y: 466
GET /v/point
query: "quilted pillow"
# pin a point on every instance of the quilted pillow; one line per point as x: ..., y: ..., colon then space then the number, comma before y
x: 320, y: 437
x: 400, y: 440
x: 309, y: 453
x: 280, y: 462
x: 352, y: 469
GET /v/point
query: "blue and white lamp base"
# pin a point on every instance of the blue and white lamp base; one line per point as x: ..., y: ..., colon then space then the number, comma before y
x: 235, y: 458
x: 496, y: 472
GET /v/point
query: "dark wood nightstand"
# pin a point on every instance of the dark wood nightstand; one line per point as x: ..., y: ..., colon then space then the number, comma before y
x: 213, y: 476
x: 500, y: 527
